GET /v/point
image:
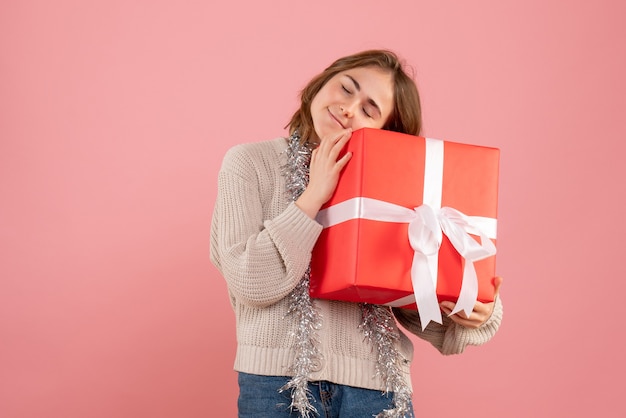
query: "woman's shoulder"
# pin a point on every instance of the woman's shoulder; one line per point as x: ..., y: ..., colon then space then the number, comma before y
x: 272, y: 146
x: 252, y: 154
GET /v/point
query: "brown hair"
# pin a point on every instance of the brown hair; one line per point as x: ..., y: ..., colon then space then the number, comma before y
x: 407, y: 113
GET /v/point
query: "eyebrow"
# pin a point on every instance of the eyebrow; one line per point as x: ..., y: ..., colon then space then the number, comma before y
x: 369, y: 99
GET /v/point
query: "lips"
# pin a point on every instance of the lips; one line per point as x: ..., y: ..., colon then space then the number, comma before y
x: 336, y: 119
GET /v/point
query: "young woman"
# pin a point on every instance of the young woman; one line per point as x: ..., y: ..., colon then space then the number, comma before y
x: 302, y: 357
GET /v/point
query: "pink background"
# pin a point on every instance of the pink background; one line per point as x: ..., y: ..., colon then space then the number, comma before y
x: 114, y: 117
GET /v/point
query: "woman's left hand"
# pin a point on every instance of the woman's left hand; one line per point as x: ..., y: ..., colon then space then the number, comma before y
x: 481, y: 313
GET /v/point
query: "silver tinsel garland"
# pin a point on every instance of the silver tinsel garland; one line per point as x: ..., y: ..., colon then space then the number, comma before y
x: 379, y: 327
x: 378, y: 323
x: 296, y: 173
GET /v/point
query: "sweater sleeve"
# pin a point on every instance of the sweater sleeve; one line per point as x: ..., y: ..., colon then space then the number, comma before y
x: 450, y: 337
x: 262, y: 260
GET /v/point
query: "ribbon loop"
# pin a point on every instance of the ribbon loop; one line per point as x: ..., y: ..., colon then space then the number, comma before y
x: 424, y: 232
x: 457, y: 226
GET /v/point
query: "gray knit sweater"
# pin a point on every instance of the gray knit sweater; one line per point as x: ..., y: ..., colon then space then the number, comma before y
x: 261, y: 242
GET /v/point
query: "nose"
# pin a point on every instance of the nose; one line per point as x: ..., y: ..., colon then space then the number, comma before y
x: 348, y: 108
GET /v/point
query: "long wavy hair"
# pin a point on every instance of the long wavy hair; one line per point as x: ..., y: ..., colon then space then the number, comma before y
x: 406, y: 116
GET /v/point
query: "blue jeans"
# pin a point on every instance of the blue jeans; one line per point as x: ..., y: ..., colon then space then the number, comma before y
x: 259, y: 398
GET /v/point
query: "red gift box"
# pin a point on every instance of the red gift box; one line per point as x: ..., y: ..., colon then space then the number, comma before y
x: 383, y: 241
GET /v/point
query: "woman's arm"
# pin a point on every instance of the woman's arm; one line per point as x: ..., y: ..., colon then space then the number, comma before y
x: 452, y: 337
x: 261, y: 259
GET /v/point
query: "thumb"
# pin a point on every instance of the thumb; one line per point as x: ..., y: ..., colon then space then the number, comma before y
x: 497, y: 282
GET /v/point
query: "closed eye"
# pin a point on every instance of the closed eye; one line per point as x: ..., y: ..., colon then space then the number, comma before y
x: 375, y: 109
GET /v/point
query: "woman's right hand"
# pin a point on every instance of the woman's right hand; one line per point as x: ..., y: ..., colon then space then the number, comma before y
x: 324, y: 172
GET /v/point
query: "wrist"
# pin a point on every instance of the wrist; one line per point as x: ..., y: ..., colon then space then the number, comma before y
x: 308, y: 205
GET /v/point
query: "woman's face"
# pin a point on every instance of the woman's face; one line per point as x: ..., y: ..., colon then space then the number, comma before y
x: 358, y: 98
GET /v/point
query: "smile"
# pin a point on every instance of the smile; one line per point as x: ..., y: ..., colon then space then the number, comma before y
x: 336, y: 120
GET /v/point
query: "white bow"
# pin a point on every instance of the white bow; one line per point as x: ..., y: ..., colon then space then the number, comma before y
x: 425, y: 236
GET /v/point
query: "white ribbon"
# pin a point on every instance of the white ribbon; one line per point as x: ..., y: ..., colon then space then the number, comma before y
x: 427, y: 224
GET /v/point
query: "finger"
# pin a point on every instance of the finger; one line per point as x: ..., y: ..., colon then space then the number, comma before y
x: 467, y: 321
x: 497, y: 282
x: 331, y: 153
x: 331, y: 146
x: 447, y: 307
x: 345, y: 135
x: 462, y: 315
x: 343, y: 161
x: 340, y: 142
x: 476, y: 318
x: 336, y: 137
